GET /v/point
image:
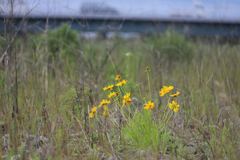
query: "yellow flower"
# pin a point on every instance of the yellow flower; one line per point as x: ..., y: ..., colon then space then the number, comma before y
x: 123, y: 103
x: 94, y: 109
x: 126, y: 96
x: 165, y: 90
x: 149, y: 105
x: 91, y: 115
x: 108, y: 88
x: 105, y: 111
x: 117, y: 77
x: 127, y: 99
x: 174, y: 106
x: 175, y: 95
x: 94, y: 112
x: 112, y: 94
x: 121, y: 83
x: 104, y: 102
x: 124, y: 82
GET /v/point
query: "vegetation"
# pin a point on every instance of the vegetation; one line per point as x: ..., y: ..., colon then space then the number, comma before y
x: 65, y: 97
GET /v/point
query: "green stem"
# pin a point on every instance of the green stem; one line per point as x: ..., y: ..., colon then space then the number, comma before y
x: 169, y: 117
x: 140, y: 93
x: 149, y: 86
x: 165, y: 115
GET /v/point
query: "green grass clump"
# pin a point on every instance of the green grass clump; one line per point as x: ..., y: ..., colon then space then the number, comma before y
x: 172, y: 47
x: 60, y: 43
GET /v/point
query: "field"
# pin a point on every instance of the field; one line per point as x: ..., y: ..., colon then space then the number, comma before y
x: 50, y: 83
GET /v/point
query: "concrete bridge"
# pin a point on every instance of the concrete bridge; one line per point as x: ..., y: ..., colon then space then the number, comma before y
x: 187, y: 17
x: 138, y: 25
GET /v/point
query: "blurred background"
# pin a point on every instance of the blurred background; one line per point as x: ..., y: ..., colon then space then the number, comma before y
x: 189, y: 17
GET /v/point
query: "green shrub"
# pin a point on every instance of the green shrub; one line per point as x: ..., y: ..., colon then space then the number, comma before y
x: 172, y: 47
x: 62, y: 43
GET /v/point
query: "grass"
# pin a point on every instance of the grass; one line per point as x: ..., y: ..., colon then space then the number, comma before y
x: 54, y: 96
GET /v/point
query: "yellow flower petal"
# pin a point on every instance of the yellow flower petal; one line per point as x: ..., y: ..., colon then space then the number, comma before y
x: 105, y: 111
x: 170, y: 106
x: 91, y: 115
x: 170, y: 88
x: 119, y: 84
x: 175, y: 109
x: 123, y: 103
x: 94, y: 109
x: 175, y: 95
x: 110, y: 87
x: 124, y: 82
x: 147, y: 108
x: 129, y: 100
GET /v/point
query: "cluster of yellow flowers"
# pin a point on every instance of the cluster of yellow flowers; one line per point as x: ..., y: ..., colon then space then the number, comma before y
x: 164, y: 91
x: 174, y: 104
x: 126, y: 98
